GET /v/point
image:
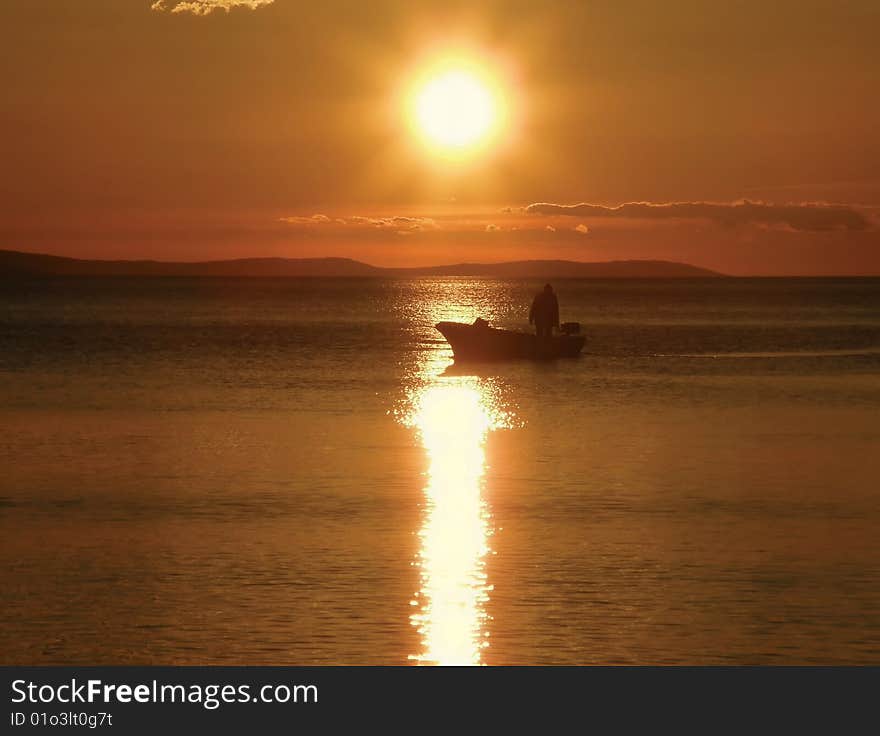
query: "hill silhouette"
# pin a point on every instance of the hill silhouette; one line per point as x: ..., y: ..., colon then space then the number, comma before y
x: 17, y: 263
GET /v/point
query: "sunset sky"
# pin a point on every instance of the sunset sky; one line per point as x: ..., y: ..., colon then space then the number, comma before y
x: 738, y: 136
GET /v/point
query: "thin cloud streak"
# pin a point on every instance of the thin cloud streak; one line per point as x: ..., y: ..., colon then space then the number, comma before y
x: 399, y: 222
x: 206, y: 7
x: 808, y: 216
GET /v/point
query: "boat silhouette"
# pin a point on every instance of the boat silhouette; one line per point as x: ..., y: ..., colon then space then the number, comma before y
x: 481, y: 342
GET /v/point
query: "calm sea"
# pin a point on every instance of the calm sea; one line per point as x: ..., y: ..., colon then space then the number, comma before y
x: 292, y: 472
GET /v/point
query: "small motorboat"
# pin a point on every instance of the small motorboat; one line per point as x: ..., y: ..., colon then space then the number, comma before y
x: 481, y: 342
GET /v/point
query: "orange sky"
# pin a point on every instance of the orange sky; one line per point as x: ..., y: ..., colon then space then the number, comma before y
x: 276, y: 129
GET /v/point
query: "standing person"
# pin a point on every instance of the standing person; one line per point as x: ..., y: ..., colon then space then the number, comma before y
x: 544, y: 313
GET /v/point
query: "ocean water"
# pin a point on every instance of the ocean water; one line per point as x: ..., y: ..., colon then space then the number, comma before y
x: 258, y: 471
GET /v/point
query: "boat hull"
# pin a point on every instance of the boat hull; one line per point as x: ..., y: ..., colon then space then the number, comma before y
x: 483, y: 343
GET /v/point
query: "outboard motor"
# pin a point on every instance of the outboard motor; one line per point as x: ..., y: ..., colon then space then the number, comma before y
x: 570, y: 328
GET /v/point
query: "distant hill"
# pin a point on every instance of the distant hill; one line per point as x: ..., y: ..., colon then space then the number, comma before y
x: 16, y: 263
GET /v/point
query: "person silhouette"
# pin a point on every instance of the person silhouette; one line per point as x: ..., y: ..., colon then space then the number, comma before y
x: 544, y: 313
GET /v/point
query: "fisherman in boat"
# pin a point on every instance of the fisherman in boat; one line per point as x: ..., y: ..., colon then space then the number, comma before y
x: 544, y: 313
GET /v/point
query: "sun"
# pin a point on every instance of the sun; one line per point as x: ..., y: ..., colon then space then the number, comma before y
x: 456, y: 109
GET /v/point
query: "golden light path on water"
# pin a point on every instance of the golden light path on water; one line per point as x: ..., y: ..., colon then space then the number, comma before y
x: 453, y: 417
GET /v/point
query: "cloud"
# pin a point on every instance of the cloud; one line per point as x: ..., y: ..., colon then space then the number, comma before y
x: 397, y: 223
x: 317, y: 219
x: 359, y: 220
x: 550, y: 229
x: 807, y: 216
x: 204, y: 7
x: 412, y: 223
x: 582, y: 229
x: 408, y: 223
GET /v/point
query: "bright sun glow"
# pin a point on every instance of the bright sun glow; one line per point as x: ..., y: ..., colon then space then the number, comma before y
x: 456, y: 108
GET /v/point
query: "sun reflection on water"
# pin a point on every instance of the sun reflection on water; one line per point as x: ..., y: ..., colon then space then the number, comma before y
x: 453, y: 417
